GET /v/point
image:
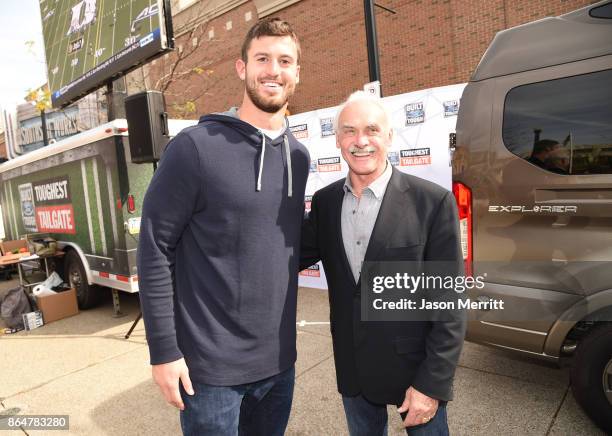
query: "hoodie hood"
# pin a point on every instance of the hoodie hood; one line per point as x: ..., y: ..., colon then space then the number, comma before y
x: 230, y: 118
x: 257, y: 138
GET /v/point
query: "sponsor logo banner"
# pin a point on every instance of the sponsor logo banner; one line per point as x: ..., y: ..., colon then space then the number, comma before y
x: 394, y: 158
x: 307, y: 202
x: 313, y: 166
x: 52, y: 191
x: 329, y: 164
x: 415, y: 156
x: 415, y: 113
x: 311, y: 271
x: 327, y: 126
x: 26, y: 195
x: 147, y: 39
x: 55, y: 219
x: 451, y: 108
x: 299, y: 131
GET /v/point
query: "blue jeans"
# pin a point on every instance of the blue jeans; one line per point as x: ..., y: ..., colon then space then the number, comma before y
x: 253, y: 409
x: 368, y: 419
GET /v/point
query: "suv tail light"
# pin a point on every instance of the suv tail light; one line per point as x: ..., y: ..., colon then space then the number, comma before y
x: 463, y: 196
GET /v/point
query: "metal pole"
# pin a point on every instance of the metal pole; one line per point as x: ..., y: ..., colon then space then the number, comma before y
x: 43, y: 120
x: 115, y: 96
x: 110, y: 101
x: 371, y: 39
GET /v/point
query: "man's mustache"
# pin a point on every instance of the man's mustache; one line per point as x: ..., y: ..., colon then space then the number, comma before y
x: 366, y: 149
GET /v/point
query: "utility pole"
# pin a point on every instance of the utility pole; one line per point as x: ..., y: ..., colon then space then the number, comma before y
x: 372, y: 41
x: 43, y: 119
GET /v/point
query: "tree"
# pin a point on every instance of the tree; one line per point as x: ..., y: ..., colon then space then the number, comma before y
x: 39, y: 97
x: 184, y: 76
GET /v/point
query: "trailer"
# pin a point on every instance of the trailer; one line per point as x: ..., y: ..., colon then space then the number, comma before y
x: 85, y: 192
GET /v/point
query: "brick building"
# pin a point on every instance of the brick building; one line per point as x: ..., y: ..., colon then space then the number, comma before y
x: 422, y: 45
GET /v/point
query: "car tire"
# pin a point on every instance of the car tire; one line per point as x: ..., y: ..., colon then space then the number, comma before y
x: 74, y: 273
x: 591, y: 375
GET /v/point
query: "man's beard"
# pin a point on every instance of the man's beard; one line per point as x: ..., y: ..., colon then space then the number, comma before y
x: 269, y: 106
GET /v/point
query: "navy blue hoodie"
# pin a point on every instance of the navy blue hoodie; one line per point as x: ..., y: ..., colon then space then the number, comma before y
x: 219, y: 249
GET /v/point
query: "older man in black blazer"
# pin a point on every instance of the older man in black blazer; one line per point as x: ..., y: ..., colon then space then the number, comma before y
x: 379, y: 214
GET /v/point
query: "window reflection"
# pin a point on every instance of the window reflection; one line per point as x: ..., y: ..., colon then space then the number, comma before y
x: 562, y: 125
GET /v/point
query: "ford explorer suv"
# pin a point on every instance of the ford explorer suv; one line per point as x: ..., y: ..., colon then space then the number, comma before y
x: 532, y: 176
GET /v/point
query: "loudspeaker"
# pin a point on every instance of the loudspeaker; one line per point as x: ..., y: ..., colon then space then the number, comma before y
x: 147, y: 125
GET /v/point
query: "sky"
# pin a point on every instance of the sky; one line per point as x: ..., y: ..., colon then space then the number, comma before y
x: 20, y: 68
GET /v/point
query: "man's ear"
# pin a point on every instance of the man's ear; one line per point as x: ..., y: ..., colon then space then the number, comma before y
x: 241, y: 68
x: 297, y: 75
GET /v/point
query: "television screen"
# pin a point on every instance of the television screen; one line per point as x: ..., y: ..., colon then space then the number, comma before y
x: 88, y: 42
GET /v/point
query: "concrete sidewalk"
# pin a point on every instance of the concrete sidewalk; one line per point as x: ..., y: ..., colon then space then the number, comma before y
x: 83, y: 367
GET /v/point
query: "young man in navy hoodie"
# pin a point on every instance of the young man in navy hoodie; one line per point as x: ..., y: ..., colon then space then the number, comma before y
x: 219, y: 251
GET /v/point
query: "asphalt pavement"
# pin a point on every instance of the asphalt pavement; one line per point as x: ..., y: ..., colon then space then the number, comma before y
x: 84, y: 368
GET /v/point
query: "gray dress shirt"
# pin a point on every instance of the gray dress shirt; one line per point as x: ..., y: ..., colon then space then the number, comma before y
x: 359, y: 216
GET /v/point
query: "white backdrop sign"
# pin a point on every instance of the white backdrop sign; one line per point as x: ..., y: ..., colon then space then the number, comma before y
x: 421, y: 121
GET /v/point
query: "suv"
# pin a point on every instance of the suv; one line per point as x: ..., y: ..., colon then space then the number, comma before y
x: 532, y: 175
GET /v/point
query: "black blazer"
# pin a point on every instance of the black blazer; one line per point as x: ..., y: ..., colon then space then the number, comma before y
x: 417, y: 221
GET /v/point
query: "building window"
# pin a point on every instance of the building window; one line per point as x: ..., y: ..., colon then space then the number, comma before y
x: 248, y: 16
x: 211, y: 34
x: 228, y: 25
x: 182, y: 4
x: 563, y: 125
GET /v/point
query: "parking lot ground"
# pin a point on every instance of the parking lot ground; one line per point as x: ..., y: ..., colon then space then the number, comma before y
x: 83, y: 367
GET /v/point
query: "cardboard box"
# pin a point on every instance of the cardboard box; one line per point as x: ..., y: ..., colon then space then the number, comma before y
x: 58, y: 306
x: 12, y: 258
x: 9, y: 246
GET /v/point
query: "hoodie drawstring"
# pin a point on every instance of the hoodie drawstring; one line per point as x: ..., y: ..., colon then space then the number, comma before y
x: 261, y: 160
x: 289, y: 169
x: 289, y: 172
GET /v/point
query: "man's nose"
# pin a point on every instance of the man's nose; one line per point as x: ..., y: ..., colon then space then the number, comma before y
x: 273, y: 67
x: 362, y: 140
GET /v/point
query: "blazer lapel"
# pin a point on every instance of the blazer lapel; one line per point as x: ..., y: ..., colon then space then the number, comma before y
x: 389, y: 216
x: 337, y: 216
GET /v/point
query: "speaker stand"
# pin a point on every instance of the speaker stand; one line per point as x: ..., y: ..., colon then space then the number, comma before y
x: 129, y: 333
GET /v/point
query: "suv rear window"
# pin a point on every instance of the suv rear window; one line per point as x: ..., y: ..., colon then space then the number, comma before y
x: 564, y: 125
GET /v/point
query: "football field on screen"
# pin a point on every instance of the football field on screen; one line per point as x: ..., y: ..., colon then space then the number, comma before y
x: 81, y: 34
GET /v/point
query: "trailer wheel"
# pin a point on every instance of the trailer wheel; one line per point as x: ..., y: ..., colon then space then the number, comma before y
x: 591, y: 376
x: 74, y: 272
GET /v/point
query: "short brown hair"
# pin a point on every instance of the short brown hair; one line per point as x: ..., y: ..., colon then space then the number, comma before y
x: 269, y: 27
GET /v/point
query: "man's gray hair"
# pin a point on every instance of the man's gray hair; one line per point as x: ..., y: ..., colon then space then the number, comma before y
x: 365, y: 97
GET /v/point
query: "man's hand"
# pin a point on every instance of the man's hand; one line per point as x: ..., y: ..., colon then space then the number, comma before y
x: 420, y: 407
x: 167, y: 377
